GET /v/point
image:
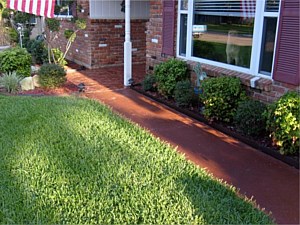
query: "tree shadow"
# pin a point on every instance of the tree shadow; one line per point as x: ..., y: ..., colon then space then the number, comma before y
x: 99, y: 177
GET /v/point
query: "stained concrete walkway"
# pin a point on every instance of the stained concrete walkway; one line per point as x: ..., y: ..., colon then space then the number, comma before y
x: 273, y: 184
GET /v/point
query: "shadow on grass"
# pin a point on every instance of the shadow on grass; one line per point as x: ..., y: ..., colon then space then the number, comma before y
x: 66, y: 161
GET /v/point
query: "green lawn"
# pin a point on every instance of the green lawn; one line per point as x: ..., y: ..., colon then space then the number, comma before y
x: 70, y: 160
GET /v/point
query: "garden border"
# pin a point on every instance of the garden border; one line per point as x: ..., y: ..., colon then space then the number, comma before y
x: 286, y: 159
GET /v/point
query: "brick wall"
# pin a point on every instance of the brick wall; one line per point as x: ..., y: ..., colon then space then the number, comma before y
x: 265, y: 90
x: 107, y: 42
x: 102, y: 42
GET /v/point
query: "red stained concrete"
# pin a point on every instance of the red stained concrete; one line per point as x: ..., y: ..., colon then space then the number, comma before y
x: 273, y: 184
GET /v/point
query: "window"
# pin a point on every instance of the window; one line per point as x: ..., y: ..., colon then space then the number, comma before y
x: 268, y: 37
x: 234, y: 34
x: 63, y: 8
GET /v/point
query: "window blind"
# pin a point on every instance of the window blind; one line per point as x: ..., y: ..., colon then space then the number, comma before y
x: 272, y: 5
x: 235, y: 8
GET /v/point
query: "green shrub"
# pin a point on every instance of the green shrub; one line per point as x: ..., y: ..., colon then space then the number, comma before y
x: 59, y: 57
x: 15, y: 59
x: 53, y: 24
x: 80, y: 23
x: 51, y: 75
x: 13, y: 35
x: 68, y: 33
x: 148, y: 84
x: 38, y: 51
x: 283, y: 122
x: 183, y: 93
x: 249, y: 117
x: 10, y: 81
x: 221, y: 97
x: 167, y: 74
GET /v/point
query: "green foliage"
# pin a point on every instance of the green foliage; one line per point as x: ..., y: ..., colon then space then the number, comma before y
x: 80, y: 23
x: 149, y: 83
x: 221, y: 97
x: 5, y: 13
x: 13, y: 35
x: 283, y: 122
x: 21, y: 17
x: 249, y: 117
x: 59, y: 57
x: 68, y: 33
x: 74, y: 161
x: 168, y: 73
x: 38, y: 51
x: 53, y: 24
x: 10, y: 81
x: 15, y: 59
x: 51, y: 75
x: 183, y: 93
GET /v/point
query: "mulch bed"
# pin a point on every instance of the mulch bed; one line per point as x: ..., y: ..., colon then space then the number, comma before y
x: 67, y: 89
x: 263, y: 143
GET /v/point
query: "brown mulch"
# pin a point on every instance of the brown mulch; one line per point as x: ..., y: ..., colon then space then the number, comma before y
x: 67, y: 89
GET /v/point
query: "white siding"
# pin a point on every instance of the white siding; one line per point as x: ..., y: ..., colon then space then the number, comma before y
x: 105, y: 9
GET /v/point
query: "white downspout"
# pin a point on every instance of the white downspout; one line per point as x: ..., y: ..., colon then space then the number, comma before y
x: 127, y: 46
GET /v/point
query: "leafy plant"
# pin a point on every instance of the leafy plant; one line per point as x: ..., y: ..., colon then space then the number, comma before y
x: 38, y: 51
x: 283, y: 122
x: 15, y: 59
x: 221, y: 97
x: 13, y: 35
x: 58, y: 57
x: 183, y: 93
x: 10, y: 81
x: 68, y: 33
x: 148, y: 84
x: 53, y: 24
x: 249, y: 117
x: 80, y: 23
x: 168, y: 73
x: 51, y: 75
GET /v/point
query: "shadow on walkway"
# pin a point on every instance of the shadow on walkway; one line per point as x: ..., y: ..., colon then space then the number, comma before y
x: 273, y: 184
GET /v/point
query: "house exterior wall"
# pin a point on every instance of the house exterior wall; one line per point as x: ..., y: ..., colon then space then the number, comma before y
x: 266, y: 90
x: 101, y: 43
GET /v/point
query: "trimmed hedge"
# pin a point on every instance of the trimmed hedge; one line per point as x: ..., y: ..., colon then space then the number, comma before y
x: 221, y: 97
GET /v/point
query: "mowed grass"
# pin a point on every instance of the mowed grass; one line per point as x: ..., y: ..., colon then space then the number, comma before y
x: 70, y: 160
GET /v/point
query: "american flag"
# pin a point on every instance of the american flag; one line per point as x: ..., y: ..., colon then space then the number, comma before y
x: 37, y: 7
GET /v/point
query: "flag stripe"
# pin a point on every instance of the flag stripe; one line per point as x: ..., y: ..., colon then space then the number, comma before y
x: 36, y: 7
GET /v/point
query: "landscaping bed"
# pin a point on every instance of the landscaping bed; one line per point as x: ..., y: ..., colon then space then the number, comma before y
x: 263, y: 144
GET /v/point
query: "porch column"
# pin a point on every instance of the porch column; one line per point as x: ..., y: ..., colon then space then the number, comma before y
x: 127, y: 46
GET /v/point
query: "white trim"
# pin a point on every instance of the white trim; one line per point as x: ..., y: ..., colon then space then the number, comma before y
x: 276, y: 36
x: 260, y: 15
x: 257, y: 36
x: 178, y: 28
x: 189, y: 29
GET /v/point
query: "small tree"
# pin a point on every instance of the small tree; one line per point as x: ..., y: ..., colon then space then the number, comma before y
x: 53, y: 26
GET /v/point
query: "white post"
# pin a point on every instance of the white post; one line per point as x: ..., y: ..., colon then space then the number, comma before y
x: 127, y: 46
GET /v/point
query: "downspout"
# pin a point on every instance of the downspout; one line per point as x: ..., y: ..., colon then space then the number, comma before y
x: 127, y: 46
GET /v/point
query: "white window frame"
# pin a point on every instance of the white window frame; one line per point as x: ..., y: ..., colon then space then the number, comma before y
x: 260, y: 14
x: 64, y: 16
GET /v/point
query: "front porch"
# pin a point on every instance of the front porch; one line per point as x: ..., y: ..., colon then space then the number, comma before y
x: 103, y: 79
